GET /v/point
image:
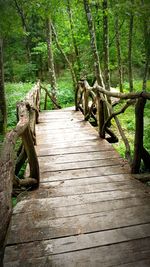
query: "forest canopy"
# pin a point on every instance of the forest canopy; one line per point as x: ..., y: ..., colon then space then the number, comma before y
x: 23, y: 28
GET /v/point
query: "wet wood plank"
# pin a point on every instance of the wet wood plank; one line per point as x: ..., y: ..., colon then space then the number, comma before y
x: 79, y: 242
x: 76, y: 157
x: 43, y: 227
x: 132, y: 252
x: 88, y: 210
x: 44, y: 205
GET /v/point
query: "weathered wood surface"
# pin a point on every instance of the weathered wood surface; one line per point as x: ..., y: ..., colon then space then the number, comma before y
x: 88, y: 211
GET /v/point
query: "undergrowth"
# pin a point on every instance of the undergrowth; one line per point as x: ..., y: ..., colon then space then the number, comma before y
x: 127, y: 121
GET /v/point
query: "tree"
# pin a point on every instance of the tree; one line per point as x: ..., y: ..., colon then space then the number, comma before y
x: 106, y: 45
x: 76, y: 50
x: 130, y: 48
x: 119, y: 53
x: 74, y: 78
x: 3, y: 113
x: 98, y: 72
x: 51, y: 60
x: 21, y: 11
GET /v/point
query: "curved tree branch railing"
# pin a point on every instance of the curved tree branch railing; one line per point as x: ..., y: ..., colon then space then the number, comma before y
x: 27, y: 113
x: 95, y: 103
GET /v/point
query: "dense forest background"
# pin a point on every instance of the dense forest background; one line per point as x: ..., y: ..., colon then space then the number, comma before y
x: 48, y: 40
x: 24, y: 27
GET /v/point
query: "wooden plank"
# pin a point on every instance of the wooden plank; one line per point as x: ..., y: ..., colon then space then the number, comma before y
x: 42, y: 206
x: 87, y: 198
x: 83, y: 181
x: 61, y: 138
x: 75, y: 157
x: 46, y: 165
x: 65, y: 125
x: 114, y: 255
x: 88, y: 172
x: 31, y: 227
x: 75, y: 147
x: 50, y: 151
x: 78, y: 242
x: 61, y: 190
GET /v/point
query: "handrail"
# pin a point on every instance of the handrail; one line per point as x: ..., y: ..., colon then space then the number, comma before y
x: 97, y: 103
x: 27, y: 113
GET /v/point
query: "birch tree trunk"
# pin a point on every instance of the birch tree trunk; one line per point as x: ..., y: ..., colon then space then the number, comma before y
x: 76, y: 50
x: 106, y: 45
x: 51, y: 68
x: 3, y: 113
x: 93, y: 43
x: 130, y: 51
x: 119, y: 54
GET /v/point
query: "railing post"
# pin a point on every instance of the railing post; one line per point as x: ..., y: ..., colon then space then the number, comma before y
x: 31, y: 154
x: 139, y: 128
x: 76, y: 98
x: 85, y: 103
x: 100, y: 115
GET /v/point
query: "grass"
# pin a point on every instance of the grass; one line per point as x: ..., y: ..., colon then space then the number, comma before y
x: 14, y: 93
x: 127, y: 121
x: 65, y: 92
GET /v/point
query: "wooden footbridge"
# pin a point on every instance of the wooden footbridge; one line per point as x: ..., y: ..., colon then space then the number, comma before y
x: 88, y: 209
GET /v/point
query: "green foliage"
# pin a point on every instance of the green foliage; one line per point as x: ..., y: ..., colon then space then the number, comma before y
x: 14, y: 201
x: 15, y: 92
x: 127, y: 121
x: 65, y: 92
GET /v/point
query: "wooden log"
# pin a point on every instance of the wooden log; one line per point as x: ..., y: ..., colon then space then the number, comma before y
x: 31, y: 154
x: 20, y: 160
x: 85, y: 104
x: 139, y: 128
x: 7, y: 160
x: 100, y: 115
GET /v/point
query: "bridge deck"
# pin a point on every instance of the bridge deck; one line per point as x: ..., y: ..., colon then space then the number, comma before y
x: 88, y: 210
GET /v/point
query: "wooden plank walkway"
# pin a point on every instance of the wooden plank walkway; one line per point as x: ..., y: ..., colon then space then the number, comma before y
x: 88, y: 210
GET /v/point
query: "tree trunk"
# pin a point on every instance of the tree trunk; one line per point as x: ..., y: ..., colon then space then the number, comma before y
x: 25, y: 28
x: 65, y: 57
x: 106, y: 45
x: 139, y: 132
x: 74, y: 40
x: 3, y: 113
x: 119, y: 54
x: 130, y: 50
x: 147, y: 51
x: 51, y: 61
x: 93, y: 43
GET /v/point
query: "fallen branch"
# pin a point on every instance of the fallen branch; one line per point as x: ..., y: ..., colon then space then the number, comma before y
x: 51, y: 98
x: 123, y: 109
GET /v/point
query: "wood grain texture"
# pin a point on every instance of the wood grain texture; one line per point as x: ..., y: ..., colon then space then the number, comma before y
x: 88, y: 211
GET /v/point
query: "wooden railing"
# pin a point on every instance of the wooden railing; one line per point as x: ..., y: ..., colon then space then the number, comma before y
x: 97, y: 103
x: 10, y: 163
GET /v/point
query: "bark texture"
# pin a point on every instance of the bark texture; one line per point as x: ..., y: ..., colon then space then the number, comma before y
x: 119, y: 53
x: 3, y: 113
x: 25, y: 129
x: 106, y: 45
x: 76, y: 50
x: 98, y: 72
x: 51, y: 68
x: 130, y: 50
